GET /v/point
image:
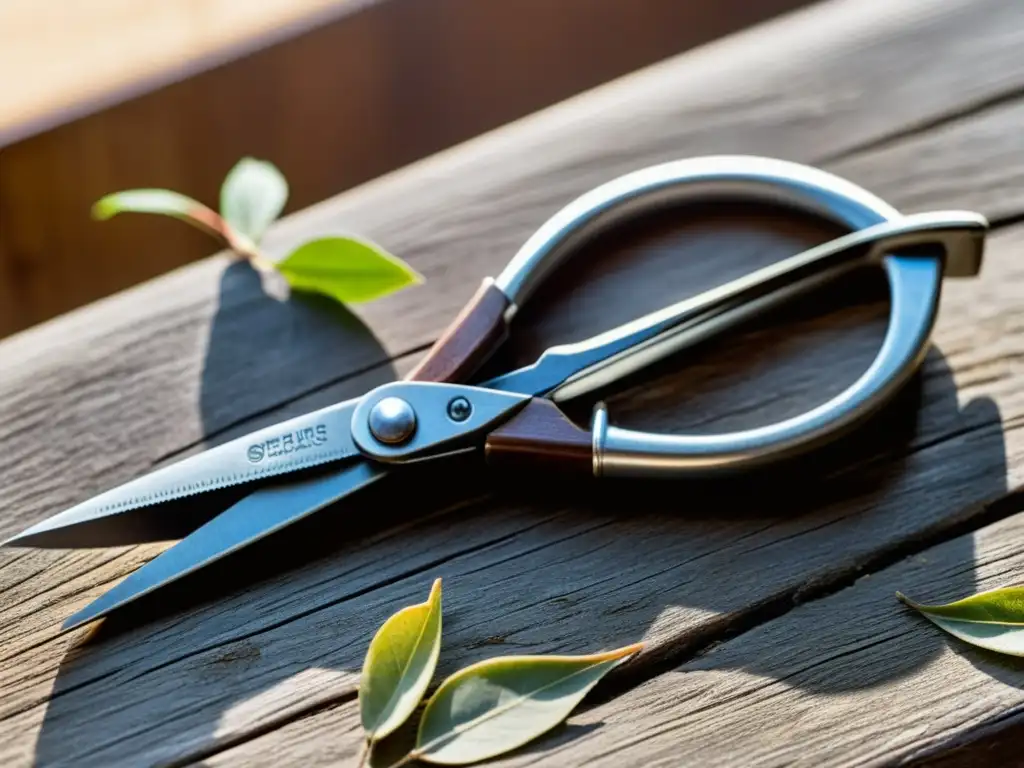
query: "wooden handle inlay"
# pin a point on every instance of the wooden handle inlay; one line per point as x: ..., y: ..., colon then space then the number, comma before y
x: 476, y: 332
x: 540, y: 434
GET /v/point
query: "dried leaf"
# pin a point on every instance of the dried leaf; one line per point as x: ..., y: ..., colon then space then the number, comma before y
x: 346, y: 269
x: 993, y: 620
x: 500, y: 704
x: 252, y: 197
x: 399, y: 664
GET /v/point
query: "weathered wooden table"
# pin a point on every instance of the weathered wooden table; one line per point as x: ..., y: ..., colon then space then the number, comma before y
x: 773, y: 635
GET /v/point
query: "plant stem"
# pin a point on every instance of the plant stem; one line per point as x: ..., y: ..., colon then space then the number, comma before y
x: 365, y: 753
x: 246, y: 249
x: 404, y: 761
x: 242, y: 246
x: 258, y: 261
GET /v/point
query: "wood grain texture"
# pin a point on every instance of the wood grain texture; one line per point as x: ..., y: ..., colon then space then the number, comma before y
x: 853, y: 679
x: 368, y: 86
x: 271, y: 644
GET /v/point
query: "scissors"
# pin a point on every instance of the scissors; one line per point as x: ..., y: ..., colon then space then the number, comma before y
x: 297, y: 467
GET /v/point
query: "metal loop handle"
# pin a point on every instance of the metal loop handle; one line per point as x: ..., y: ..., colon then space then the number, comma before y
x: 915, y: 284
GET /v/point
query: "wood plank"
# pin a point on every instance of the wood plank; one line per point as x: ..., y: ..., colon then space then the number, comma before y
x: 198, y: 681
x: 852, y: 679
x: 375, y: 84
x: 981, y: 147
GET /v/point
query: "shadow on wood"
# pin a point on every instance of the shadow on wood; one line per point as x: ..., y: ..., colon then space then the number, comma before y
x: 543, y: 565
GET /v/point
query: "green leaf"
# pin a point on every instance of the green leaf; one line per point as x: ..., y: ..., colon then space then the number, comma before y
x: 159, y: 201
x: 399, y: 664
x: 993, y: 620
x: 346, y: 269
x: 996, y: 606
x: 252, y: 197
x: 500, y: 704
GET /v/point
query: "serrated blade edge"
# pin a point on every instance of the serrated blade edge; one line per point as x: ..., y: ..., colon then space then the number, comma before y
x: 303, y: 442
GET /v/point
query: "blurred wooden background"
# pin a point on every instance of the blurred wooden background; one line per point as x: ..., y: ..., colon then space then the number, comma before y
x: 334, y: 92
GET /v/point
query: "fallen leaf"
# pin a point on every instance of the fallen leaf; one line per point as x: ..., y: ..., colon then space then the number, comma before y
x: 993, y: 620
x: 399, y: 664
x: 497, y: 705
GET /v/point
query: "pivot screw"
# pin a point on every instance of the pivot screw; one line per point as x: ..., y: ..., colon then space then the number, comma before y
x: 392, y: 420
x: 459, y: 409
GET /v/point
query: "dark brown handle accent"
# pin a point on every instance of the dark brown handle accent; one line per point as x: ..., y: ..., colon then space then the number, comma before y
x: 540, y: 434
x: 464, y: 346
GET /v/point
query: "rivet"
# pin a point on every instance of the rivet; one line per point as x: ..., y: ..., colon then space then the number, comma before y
x: 459, y: 409
x: 392, y: 420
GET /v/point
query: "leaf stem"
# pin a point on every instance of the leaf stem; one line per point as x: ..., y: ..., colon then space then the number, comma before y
x: 260, y: 262
x: 246, y: 249
x: 241, y: 245
x: 365, y: 753
x: 409, y: 757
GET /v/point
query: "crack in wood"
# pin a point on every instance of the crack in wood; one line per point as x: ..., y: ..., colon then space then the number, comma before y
x: 312, y: 710
x: 998, y: 741
x: 968, y: 110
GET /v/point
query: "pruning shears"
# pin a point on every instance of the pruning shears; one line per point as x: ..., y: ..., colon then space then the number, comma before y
x: 300, y: 466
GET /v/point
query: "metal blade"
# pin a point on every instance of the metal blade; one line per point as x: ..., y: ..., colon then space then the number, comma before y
x: 289, y: 446
x: 260, y: 514
x: 271, y: 508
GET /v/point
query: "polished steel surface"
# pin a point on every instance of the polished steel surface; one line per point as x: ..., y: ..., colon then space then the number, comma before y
x: 305, y: 441
x: 914, y: 282
x: 697, y: 179
x: 260, y: 514
x: 392, y: 420
x: 438, y: 432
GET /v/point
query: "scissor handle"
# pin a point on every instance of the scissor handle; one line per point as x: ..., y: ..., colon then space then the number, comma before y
x: 915, y: 283
x: 469, y: 340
